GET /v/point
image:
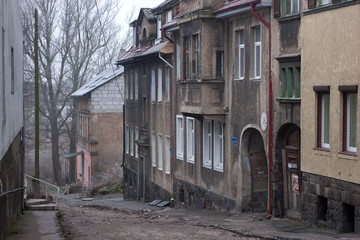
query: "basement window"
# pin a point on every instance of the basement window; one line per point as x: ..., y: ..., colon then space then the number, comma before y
x: 348, y: 219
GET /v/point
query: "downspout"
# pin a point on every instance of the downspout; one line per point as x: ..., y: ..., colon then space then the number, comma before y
x: 170, y: 40
x: 270, y: 106
x: 167, y: 63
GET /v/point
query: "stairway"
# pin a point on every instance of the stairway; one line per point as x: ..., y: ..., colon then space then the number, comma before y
x: 40, y: 205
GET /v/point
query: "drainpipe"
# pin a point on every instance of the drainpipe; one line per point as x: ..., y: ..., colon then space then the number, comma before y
x: 167, y: 63
x: 164, y: 33
x: 270, y: 105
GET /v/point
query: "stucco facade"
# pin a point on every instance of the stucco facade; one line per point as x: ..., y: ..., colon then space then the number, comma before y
x: 330, y: 176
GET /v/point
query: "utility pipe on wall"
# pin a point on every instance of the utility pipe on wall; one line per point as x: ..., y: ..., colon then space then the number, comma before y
x: 270, y: 105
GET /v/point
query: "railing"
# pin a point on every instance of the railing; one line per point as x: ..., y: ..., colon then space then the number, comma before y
x: 46, y: 187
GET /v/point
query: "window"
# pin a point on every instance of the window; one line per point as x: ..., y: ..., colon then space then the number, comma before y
x: 240, y: 55
x: 218, y: 146
x: 144, y: 34
x: 132, y: 141
x: 153, y: 149
x: 179, y: 137
x: 167, y: 84
x: 349, y: 117
x: 12, y: 71
x: 290, y: 81
x: 186, y: 57
x: 127, y: 139
x: 320, y: 3
x: 160, y: 152
x: 220, y: 64
x: 213, y: 145
x: 159, y: 84
x: 168, y: 16
x: 323, y: 124
x: 158, y: 26
x: 290, y: 7
x: 83, y: 126
x: 195, y: 56
x: 127, y: 81
x: 207, y: 143
x: 153, y: 85
x: 131, y: 85
x: 178, y: 57
x: 136, y: 85
x: 136, y: 146
x: 257, y: 52
x: 167, y: 155
x: 190, y: 139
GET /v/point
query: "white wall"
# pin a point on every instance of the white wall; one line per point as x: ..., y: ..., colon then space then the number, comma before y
x: 11, y: 105
x: 108, y: 98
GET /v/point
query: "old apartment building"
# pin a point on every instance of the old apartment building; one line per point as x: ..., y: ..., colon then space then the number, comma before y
x: 330, y: 110
x: 11, y: 116
x: 100, y: 127
x: 216, y: 94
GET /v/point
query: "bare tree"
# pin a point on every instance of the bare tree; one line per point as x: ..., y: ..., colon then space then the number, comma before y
x: 74, y: 35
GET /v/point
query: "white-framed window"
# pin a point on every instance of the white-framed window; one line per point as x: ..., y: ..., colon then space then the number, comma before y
x: 218, y: 146
x: 325, y: 120
x: 159, y: 84
x: 179, y: 137
x: 190, y: 139
x: 257, y: 52
x: 160, y: 152
x: 290, y: 7
x: 213, y: 145
x: 136, y: 146
x: 136, y: 85
x: 351, y: 121
x: 167, y: 84
x: 240, y: 56
x: 158, y: 27
x: 153, y: 149
x: 127, y: 139
x: 178, y: 59
x: 167, y: 154
x: 153, y: 85
x: 131, y: 140
x: 168, y: 16
x: 207, y: 143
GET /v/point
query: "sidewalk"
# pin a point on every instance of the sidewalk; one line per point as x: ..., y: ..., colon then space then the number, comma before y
x: 36, y: 225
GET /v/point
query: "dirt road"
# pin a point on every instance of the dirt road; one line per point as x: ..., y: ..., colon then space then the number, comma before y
x: 91, y: 221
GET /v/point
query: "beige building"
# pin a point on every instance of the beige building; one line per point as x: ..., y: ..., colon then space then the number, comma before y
x: 330, y: 73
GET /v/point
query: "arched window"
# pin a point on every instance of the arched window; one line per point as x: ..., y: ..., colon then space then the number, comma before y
x: 144, y: 34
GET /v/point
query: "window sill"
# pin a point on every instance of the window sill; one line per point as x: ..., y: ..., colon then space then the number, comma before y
x: 325, y: 152
x: 288, y: 100
x: 239, y: 79
x: 207, y: 166
x: 191, y: 161
x: 168, y: 173
x: 289, y: 17
x: 348, y: 156
x: 179, y: 158
x: 322, y: 149
x: 218, y: 168
x: 255, y: 79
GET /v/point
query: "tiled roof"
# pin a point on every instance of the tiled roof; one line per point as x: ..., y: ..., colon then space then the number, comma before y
x: 100, y: 79
x: 137, y: 53
x: 234, y: 4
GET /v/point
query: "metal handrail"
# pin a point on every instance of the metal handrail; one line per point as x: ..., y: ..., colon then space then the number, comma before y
x: 52, y: 185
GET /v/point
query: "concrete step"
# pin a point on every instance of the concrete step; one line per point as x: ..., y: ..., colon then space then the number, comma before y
x: 34, y: 201
x: 43, y: 207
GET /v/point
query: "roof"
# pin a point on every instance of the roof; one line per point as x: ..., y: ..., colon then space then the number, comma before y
x: 164, y: 4
x: 100, y: 79
x: 148, y: 13
x: 142, y: 52
x: 230, y: 5
x: 171, y: 24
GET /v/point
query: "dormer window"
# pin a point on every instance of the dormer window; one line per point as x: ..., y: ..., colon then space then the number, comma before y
x: 159, y: 26
x: 144, y: 34
x: 168, y: 16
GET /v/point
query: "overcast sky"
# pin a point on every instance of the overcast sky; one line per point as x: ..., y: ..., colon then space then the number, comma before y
x: 127, y: 7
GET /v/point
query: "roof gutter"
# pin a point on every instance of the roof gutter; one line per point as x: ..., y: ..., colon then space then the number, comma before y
x: 270, y: 154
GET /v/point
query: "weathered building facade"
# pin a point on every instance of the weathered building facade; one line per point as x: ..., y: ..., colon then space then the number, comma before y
x: 149, y: 108
x: 286, y: 70
x: 330, y: 76
x: 100, y: 128
x: 11, y: 116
